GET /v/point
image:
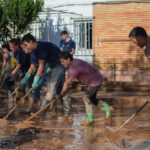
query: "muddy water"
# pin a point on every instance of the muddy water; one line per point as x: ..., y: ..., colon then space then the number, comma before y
x: 69, y: 135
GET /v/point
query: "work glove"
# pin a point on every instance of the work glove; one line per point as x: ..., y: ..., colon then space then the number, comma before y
x: 25, y: 79
x: 47, y: 68
x: 35, y: 82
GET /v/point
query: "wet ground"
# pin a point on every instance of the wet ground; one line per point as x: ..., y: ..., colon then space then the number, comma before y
x: 69, y: 135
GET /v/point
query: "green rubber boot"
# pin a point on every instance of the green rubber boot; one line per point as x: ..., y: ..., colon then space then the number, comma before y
x: 90, y: 114
x: 105, y: 107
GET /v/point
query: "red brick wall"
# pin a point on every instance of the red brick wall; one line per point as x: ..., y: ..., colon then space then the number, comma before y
x: 114, y: 21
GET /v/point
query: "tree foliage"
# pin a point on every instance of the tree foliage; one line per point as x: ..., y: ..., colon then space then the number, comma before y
x: 16, y: 16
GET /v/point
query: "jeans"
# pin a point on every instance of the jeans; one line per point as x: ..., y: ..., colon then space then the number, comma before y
x: 36, y: 94
x: 54, y: 81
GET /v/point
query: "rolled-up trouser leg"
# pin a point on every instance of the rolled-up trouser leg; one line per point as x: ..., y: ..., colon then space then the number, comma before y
x: 89, y: 109
x: 54, y: 79
x: 67, y: 105
x: 89, y: 98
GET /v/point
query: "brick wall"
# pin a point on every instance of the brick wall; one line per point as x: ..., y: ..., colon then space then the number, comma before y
x: 114, y: 21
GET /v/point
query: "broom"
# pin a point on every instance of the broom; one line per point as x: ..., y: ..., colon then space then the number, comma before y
x: 114, y: 136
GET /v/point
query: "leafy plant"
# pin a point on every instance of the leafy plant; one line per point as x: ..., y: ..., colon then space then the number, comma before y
x: 16, y: 16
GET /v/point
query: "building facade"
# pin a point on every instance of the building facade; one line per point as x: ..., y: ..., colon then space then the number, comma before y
x: 100, y: 29
x: 113, y: 51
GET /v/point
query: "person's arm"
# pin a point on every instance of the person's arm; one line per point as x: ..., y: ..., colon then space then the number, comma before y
x: 31, y: 69
x: 39, y: 72
x: 60, y: 45
x: 5, y: 56
x: 73, y: 46
x: 61, y: 49
x: 40, y: 68
x: 65, y: 87
x: 15, y: 70
x: 72, y: 74
x: 27, y: 75
x: 73, y: 51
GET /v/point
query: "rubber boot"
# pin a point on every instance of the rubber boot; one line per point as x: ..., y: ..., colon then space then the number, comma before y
x: 105, y: 107
x: 90, y: 114
x: 10, y: 104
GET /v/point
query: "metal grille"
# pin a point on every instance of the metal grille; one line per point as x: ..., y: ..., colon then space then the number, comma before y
x: 83, y: 29
x: 37, y: 29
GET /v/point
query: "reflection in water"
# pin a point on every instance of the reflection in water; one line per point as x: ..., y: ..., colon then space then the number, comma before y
x: 69, y: 135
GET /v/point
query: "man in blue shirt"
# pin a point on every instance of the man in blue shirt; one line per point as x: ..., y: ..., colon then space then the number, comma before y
x: 27, y: 80
x: 25, y: 61
x: 67, y: 44
x: 23, y: 64
x: 46, y: 52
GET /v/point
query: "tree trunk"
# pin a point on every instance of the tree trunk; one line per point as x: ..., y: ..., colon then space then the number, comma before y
x: 11, y: 30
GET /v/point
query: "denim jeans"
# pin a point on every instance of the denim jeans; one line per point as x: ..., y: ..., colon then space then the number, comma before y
x: 36, y: 94
x: 54, y: 81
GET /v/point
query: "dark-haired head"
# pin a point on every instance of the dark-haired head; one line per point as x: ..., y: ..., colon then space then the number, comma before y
x: 66, y: 59
x: 138, y: 35
x: 29, y: 41
x: 14, y: 44
x: 64, y: 32
x: 28, y: 37
x: 138, y: 31
x: 64, y: 35
x: 5, y: 47
x: 15, y: 41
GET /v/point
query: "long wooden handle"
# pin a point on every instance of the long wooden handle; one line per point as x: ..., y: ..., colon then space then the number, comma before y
x: 17, y: 104
x: 135, y: 114
x: 20, y: 100
x: 2, y: 75
x: 50, y: 103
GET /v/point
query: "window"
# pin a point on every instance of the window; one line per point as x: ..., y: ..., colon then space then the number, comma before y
x: 37, y: 29
x: 83, y: 29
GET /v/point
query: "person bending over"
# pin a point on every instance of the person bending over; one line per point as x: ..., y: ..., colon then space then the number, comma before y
x: 91, y: 78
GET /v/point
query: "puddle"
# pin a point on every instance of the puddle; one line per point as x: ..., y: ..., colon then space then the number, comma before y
x: 69, y: 135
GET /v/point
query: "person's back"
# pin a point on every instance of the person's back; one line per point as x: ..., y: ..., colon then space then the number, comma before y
x: 85, y: 73
x: 49, y: 52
